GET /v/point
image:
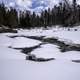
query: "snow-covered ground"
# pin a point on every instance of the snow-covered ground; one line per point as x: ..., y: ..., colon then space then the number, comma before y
x: 13, y: 65
x: 61, y: 33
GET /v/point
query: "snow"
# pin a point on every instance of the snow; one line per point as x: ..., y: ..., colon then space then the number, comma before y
x: 5, y: 41
x: 13, y: 65
x: 18, y: 42
x: 52, y: 51
x: 69, y: 35
x: 61, y: 33
x: 24, y: 70
x: 21, y: 42
x: 10, y: 54
x: 46, y: 51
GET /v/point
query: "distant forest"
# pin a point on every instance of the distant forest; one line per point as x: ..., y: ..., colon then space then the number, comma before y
x: 63, y: 14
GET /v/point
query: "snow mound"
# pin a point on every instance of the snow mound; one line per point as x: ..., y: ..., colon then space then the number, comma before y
x: 21, y: 42
x: 46, y: 51
x: 52, y: 51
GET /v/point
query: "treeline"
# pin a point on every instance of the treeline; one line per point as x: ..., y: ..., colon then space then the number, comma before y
x: 63, y: 14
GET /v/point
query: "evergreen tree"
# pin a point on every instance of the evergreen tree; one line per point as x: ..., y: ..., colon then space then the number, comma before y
x: 64, y: 14
x: 12, y: 18
x: 2, y: 14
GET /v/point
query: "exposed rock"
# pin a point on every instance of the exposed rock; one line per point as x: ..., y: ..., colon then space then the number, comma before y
x: 31, y: 37
x: 28, y: 50
x: 76, y: 61
x: 36, y: 37
x: 5, y: 29
x: 34, y: 58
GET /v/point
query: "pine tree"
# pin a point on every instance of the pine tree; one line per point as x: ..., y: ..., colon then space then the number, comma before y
x: 2, y: 14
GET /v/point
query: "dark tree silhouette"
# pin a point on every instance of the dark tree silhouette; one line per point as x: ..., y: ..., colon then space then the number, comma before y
x: 64, y: 14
